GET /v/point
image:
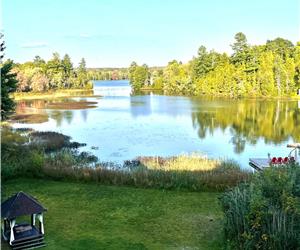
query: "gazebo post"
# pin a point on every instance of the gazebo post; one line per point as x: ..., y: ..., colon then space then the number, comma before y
x: 4, y: 228
x: 33, y: 219
x: 41, y: 222
x: 12, y: 236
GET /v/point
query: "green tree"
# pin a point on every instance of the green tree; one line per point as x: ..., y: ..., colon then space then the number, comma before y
x: 139, y: 76
x: 240, y: 48
x: 297, y: 66
x: 38, y: 61
x: 283, y: 47
x: 82, y: 77
x: 55, y: 71
x: 67, y: 69
x: 265, y: 74
x: 177, y: 79
x: 2, y: 47
x: 8, y: 85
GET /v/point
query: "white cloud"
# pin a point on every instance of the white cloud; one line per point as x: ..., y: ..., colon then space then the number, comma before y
x: 32, y: 45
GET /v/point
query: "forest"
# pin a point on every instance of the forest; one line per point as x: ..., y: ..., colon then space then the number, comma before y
x: 58, y: 73
x: 272, y: 69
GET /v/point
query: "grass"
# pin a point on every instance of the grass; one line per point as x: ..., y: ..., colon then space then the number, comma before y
x: 53, y: 94
x: 91, y: 216
x: 193, y: 173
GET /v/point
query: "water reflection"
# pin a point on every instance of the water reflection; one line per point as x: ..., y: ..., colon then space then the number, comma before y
x: 140, y: 105
x: 58, y: 109
x: 248, y: 120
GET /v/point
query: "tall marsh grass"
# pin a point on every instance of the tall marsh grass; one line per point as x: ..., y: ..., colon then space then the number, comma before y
x: 193, y: 173
x: 265, y: 213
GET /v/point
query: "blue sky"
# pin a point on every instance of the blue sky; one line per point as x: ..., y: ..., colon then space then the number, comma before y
x: 113, y: 33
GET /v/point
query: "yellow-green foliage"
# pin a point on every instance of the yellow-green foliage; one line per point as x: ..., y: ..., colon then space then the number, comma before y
x: 267, y: 70
x: 193, y: 162
x: 57, y: 73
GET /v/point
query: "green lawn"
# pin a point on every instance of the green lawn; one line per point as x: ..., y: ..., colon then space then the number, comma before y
x: 91, y: 216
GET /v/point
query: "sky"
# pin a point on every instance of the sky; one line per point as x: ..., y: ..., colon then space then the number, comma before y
x: 113, y: 33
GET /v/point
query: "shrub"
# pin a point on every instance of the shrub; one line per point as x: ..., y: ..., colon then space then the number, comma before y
x: 17, y: 157
x: 265, y: 213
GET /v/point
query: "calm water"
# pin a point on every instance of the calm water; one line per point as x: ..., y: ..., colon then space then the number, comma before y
x: 118, y: 126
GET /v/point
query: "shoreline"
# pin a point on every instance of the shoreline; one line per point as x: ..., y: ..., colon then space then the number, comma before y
x: 53, y: 94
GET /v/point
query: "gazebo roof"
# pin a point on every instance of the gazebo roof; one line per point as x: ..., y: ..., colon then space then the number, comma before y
x: 20, y: 204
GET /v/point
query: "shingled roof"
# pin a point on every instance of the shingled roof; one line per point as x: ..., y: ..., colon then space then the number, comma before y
x: 20, y: 204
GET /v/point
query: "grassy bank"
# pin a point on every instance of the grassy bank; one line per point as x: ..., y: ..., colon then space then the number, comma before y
x: 52, y: 94
x: 91, y: 216
x: 193, y: 173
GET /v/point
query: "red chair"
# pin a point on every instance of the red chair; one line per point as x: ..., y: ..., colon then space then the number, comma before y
x: 274, y: 160
x: 286, y: 160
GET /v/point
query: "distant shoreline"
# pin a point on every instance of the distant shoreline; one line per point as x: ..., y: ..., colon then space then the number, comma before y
x: 53, y: 94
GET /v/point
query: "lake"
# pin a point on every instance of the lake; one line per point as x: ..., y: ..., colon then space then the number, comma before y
x: 118, y: 126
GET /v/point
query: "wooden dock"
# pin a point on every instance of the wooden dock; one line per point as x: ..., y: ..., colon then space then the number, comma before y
x: 262, y: 163
x: 259, y: 163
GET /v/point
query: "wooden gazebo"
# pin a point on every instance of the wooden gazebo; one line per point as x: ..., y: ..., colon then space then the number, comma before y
x: 22, y: 235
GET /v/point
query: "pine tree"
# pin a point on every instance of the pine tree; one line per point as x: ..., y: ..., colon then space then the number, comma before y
x: 8, y: 85
x: 240, y: 48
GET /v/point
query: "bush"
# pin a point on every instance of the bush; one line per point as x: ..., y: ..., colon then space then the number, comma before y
x: 265, y: 213
x: 18, y: 158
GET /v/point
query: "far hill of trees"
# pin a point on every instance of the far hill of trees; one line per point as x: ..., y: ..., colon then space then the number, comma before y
x: 272, y: 69
x: 108, y: 73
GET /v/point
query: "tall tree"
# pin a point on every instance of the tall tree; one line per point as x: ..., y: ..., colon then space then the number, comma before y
x: 55, y: 71
x: 8, y: 85
x: 2, y: 47
x: 67, y: 69
x: 8, y: 82
x: 81, y: 74
x: 240, y: 48
x: 82, y: 66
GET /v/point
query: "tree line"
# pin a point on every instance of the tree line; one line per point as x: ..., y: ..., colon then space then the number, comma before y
x: 108, y: 74
x: 57, y: 73
x: 272, y: 69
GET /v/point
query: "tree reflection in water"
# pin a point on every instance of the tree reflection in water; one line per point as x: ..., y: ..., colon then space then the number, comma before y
x: 275, y: 121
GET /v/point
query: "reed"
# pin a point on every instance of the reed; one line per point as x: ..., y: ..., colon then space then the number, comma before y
x: 265, y: 213
x: 201, y: 174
